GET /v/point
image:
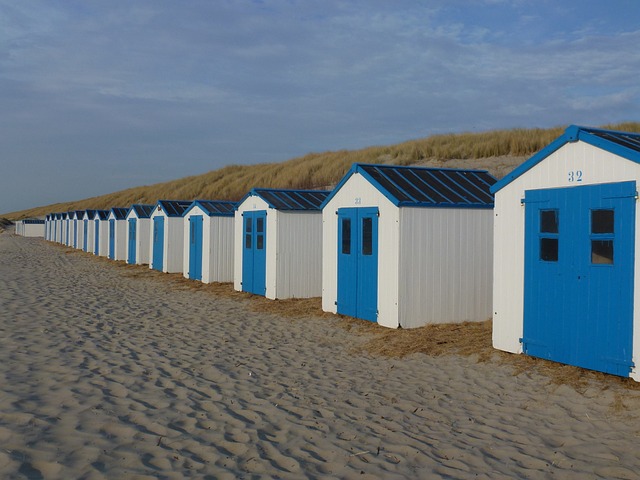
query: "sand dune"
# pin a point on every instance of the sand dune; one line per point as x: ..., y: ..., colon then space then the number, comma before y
x: 109, y: 373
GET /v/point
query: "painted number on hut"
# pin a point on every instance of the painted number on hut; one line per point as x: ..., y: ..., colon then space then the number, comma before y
x: 358, y: 201
x: 574, y: 176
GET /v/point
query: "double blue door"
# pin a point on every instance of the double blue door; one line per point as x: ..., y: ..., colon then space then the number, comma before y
x: 158, y: 243
x: 358, y: 262
x: 195, y: 247
x: 254, y: 259
x: 85, y: 238
x: 131, y: 251
x: 96, y: 238
x: 112, y: 239
x: 579, y: 255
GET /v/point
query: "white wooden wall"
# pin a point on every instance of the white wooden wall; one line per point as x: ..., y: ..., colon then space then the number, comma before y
x: 596, y: 166
x: 445, y: 265
x: 298, y: 255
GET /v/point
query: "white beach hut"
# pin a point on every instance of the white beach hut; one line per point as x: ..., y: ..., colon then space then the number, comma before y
x: 118, y: 233
x: 67, y: 229
x: 566, y: 271
x: 78, y: 229
x: 409, y: 246
x: 30, y: 227
x: 101, y: 233
x: 139, y: 234
x: 278, y: 243
x: 208, y: 241
x: 57, y: 227
x: 167, y: 236
x: 88, y: 230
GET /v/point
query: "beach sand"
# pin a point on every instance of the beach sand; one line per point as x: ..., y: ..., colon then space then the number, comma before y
x: 110, y: 371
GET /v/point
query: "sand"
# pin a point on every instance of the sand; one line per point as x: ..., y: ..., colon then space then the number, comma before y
x: 109, y: 371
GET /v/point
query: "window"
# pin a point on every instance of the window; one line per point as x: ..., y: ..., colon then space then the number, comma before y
x: 548, y: 221
x: 346, y: 236
x: 549, y: 249
x: 602, y: 252
x: 259, y: 241
x: 549, y: 238
x: 367, y: 236
x: 247, y: 237
x: 259, y: 225
x: 601, y: 221
x: 602, y: 230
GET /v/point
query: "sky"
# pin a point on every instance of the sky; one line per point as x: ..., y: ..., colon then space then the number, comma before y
x: 101, y: 95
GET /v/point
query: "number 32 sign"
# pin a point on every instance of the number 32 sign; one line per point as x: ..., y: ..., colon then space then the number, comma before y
x: 574, y: 176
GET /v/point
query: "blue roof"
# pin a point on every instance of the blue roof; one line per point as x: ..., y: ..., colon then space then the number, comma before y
x: 623, y: 144
x: 426, y: 187
x: 218, y: 208
x: 141, y: 210
x: 90, y: 214
x: 174, y: 208
x: 298, y: 200
x: 119, y: 212
x: 102, y: 214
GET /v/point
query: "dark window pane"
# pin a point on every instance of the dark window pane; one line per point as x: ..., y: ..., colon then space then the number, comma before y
x: 346, y: 236
x: 248, y: 225
x: 601, y: 221
x: 247, y: 240
x: 549, y: 249
x: 367, y: 236
x: 260, y: 242
x: 549, y: 221
x: 602, y: 252
x: 259, y: 225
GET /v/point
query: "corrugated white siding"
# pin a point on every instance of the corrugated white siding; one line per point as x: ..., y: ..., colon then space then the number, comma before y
x: 91, y: 227
x: 597, y: 166
x: 120, y: 237
x: 253, y: 203
x: 298, y: 255
x: 358, y: 192
x: 103, y: 232
x: 173, y: 244
x: 143, y: 239
x: 220, y: 234
x: 445, y: 265
x: 79, y: 233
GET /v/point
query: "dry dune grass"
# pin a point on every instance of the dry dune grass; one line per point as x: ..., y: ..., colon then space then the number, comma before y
x: 496, y: 151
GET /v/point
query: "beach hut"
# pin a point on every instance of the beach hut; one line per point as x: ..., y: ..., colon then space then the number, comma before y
x: 78, y: 229
x: 409, y: 246
x: 167, y: 236
x: 138, y: 234
x: 30, y: 227
x: 118, y: 233
x: 566, y: 272
x: 67, y: 239
x: 57, y: 227
x: 88, y: 229
x: 278, y: 243
x: 46, y: 226
x: 208, y: 241
x: 101, y: 233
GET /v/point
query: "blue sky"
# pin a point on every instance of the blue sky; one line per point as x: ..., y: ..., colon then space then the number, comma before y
x: 98, y: 96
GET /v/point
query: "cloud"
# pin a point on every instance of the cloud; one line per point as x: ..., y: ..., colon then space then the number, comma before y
x: 147, y: 85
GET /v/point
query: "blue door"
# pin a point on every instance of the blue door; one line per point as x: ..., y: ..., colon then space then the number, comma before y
x: 579, y: 254
x: 112, y: 239
x: 358, y: 262
x: 157, y: 256
x: 131, y: 254
x: 96, y: 238
x: 195, y: 247
x: 85, y: 240
x: 254, y: 258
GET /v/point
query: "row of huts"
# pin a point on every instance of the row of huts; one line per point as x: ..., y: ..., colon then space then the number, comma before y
x: 548, y: 251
